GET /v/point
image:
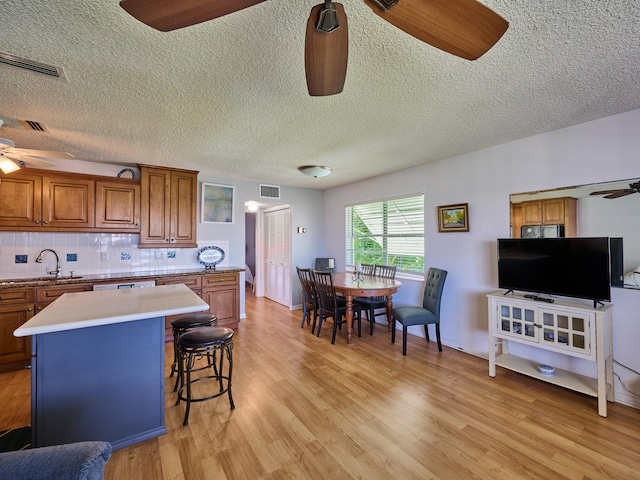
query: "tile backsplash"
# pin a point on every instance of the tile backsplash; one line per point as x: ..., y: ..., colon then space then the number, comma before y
x: 90, y: 253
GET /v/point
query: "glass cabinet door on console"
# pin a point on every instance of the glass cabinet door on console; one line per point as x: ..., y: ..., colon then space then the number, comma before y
x: 567, y: 331
x: 518, y: 322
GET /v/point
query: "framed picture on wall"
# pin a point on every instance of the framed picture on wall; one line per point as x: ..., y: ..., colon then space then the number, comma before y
x: 453, y: 218
x: 217, y: 203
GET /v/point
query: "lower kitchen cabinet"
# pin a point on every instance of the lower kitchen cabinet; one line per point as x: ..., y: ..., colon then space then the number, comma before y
x: 46, y: 295
x: 222, y: 292
x: 191, y: 281
x: 16, y: 307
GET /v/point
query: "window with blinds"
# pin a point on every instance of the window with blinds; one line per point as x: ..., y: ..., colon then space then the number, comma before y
x: 390, y: 232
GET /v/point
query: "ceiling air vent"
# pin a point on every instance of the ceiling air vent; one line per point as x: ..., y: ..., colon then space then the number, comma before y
x: 269, y: 191
x: 33, y: 125
x: 31, y: 65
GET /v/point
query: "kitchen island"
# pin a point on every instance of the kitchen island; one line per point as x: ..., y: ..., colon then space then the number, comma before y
x: 98, y: 364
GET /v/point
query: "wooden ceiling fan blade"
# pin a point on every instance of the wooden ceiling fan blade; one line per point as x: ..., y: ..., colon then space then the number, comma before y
x: 326, y: 54
x: 604, y: 192
x: 465, y: 28
x: 619, y: 193
x: 43, y: 153
x: 167, y: 15
x: 607, y: 192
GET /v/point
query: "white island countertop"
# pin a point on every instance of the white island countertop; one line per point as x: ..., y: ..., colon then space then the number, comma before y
x: 92, y: 309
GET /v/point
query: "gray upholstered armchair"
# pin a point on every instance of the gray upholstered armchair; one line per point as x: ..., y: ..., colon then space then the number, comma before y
x: 74, y: 461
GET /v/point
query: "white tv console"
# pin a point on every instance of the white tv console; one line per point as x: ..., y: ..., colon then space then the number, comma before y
x: 567, y: 326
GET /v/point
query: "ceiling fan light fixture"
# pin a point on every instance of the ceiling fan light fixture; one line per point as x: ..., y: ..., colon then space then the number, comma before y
x: 315, y: 170
x: 7, y: 165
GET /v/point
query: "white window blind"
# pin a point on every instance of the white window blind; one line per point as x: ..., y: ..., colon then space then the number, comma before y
x: 389, y: 232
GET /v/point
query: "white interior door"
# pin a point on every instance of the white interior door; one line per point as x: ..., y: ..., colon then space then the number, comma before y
x: 276, y: 227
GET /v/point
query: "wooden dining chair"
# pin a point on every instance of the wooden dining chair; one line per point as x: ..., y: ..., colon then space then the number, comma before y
x: 331, y: 305
x: 371, y: 304
x: 425, y: 315
x: 368, y: 269
x: 309, y: 301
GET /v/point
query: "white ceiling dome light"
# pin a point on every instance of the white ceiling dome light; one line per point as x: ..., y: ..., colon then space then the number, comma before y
x: 315, y: 170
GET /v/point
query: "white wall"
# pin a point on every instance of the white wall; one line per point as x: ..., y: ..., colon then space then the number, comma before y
x: 602, y: 150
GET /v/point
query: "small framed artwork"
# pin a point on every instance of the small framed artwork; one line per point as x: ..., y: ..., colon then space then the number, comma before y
x: 453, y: 218
x: 217, y: 203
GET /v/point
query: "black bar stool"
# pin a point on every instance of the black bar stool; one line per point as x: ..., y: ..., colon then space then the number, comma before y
x: 199, y: 343
x: 183, y: 324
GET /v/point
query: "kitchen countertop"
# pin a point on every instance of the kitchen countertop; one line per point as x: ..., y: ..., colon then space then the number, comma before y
x: 90, y: 309
x: 110, y: 277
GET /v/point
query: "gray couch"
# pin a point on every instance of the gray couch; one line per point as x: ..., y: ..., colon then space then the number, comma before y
x: 74, y: 461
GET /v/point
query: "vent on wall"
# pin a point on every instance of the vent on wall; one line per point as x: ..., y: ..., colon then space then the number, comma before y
x: 31, y: 65
x: 269, y: 191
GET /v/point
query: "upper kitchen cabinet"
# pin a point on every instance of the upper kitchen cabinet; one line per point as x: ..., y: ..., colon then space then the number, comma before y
x: 68, y: 202
x: 54, y: 202
x: 169, y: 209
x: 551, y: 211
x: 118, y: 205
x: 37, y: 200
x: 20, y: 201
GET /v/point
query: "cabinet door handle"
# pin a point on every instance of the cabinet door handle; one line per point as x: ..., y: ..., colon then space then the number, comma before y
x: 45, y: 222
x: 29, y: 309
x: 3, y: 298
x: 37, y: 222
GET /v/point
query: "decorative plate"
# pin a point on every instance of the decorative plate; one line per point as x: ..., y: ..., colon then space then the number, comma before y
x: 210, y: 256
x: 127, y: 170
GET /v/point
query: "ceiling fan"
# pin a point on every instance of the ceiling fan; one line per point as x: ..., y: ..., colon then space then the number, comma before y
x: 621, y: 192
x: 465, y: 28
x: 11, y: 157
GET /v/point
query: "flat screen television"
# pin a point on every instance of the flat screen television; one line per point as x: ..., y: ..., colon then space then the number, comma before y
x: 567, y: 267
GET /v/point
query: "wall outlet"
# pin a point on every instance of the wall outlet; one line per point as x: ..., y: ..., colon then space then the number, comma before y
x: 159, y: 255
x: 104, y: 256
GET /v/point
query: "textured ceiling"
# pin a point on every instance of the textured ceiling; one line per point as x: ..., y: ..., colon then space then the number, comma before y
x: 228, y: 97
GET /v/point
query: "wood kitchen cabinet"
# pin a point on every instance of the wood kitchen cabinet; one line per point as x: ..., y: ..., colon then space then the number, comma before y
x: 35, y: 200
x: 551, y: 211
x: 532, y: 213
x: 16, y: 307
x: 191, y: 281
x: 222, y: 292
x: 169, y: 199
x: 46, y: 295
x: 68, y: 202
x: 118, y: 205
x: 20, y: 201
x: 516, y: 220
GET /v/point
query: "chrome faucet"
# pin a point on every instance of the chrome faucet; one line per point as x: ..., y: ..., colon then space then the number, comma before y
x: 55, y: 272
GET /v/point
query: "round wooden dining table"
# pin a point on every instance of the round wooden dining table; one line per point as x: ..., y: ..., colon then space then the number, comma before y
x: 347, y: 284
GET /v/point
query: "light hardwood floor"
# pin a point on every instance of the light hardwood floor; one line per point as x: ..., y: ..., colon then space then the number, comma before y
x: 306, y: 409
